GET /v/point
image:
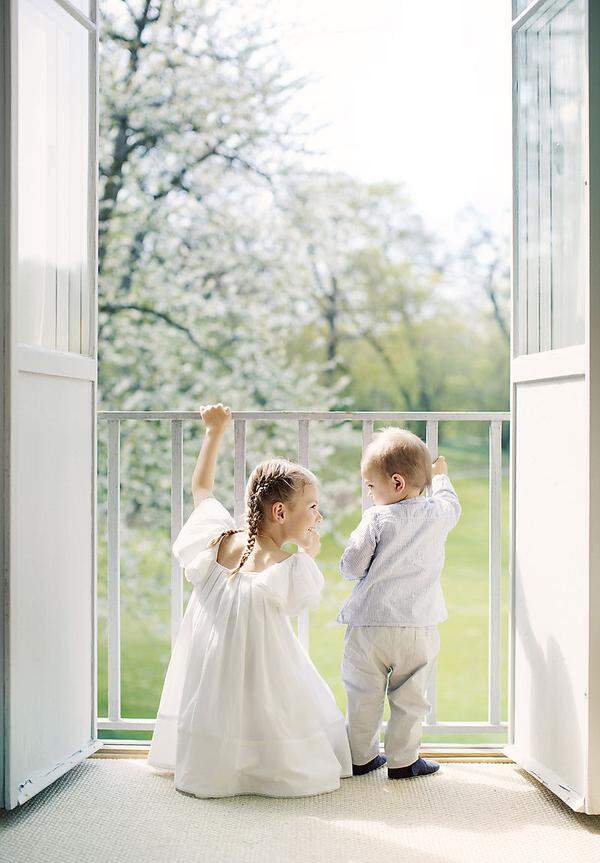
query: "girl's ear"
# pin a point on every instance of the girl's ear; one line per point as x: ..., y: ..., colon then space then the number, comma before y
x: 278, y: 511
x: 399, y: 482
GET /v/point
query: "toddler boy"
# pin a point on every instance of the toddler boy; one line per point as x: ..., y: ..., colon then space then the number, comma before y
x: 397, y: 555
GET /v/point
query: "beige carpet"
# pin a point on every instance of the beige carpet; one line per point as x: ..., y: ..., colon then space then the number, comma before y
x: 106, y: 811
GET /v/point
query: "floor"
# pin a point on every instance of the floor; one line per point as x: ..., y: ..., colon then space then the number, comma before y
x: 112, y: 810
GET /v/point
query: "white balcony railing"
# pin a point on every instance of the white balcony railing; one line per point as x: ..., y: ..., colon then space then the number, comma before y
x: 115, y: 721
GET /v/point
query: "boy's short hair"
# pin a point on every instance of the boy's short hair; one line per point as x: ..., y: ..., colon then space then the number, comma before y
x: 395, y: 450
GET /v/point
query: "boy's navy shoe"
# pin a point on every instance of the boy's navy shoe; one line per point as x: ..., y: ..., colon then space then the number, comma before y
x: 374, y: 764
x: 421, y: 767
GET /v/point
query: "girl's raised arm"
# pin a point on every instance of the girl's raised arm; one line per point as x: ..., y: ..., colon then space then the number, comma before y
x: 216, y: 418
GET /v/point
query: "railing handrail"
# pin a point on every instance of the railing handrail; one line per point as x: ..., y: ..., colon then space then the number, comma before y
x: 407, y: 416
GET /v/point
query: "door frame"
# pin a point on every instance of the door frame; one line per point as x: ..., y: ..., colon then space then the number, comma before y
x: 5, y: 285
x: 593, y: 384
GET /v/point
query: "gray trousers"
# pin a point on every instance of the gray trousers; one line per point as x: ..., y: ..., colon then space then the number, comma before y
x: 397, y: 660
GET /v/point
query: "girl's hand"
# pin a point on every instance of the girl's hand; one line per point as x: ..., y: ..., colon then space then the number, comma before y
x: 216, y: 417
x: 312, y: 542
x: 439, y: 466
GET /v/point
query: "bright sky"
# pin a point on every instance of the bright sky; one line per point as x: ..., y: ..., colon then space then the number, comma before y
x: 411, y: 90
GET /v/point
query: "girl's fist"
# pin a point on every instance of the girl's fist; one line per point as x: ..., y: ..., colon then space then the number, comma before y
x: 215, y: 417
x: 312, y: 542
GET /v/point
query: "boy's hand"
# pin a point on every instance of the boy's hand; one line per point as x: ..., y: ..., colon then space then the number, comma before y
x: 216, y: 417
x: 312, y: 542
x: 439, y: 466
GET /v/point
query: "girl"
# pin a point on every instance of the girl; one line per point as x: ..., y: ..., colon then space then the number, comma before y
x: 243, y: 709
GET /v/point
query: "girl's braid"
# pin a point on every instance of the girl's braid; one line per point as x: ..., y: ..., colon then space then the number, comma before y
x: 270, y: 481
x: 253, y: 518
x: 257, y: 494
x: 221, y: 536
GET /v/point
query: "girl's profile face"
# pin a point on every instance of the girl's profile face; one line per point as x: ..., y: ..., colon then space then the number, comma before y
x: 302, y: 514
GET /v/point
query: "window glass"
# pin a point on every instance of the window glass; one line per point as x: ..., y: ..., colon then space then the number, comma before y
x: 54, y: 279
x: 82, y: 5
x: 550, y: 272
x: 519, y: 6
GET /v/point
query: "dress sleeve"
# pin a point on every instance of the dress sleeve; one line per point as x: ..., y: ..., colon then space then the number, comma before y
x: 192, y: 547
x: 293, y: 585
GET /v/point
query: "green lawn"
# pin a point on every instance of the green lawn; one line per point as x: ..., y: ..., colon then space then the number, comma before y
x: 463, y: 661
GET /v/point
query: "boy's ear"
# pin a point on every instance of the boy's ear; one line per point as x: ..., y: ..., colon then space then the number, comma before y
x: 399, y: 482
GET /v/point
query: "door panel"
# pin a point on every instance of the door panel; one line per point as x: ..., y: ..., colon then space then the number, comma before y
x: 550, y: 599
x: 51, y: 701
x: 50, y: 374
x: 550, y: 398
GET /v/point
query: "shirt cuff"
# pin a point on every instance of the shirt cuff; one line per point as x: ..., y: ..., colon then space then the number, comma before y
x: 440, y: 481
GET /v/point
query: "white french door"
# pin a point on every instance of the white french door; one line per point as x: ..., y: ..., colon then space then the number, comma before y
x: 555, y: 338
x: 49, y: 116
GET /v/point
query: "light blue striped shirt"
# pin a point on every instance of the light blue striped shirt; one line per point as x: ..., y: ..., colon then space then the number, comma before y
x: 397, y: 555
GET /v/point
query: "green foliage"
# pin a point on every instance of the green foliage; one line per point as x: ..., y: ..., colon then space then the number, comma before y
x: 230, y: 269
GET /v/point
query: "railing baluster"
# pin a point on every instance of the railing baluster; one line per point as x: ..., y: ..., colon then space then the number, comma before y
x: 367, y: 437
x: 176, y: 523
x: 114, y: 573
x: 303, y: 442
x: 431, y: 439
x: 239, y: 470
x: 114, y: 721
x: 495, y: 571
x: 303, y: 459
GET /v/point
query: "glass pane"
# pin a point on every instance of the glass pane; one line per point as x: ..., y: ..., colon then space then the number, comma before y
x: 519, y: 6
x: 54, y: 278
x: 550, y: 286
x: 82, y: 5
x: 532, y: 213
x: 567, y: 59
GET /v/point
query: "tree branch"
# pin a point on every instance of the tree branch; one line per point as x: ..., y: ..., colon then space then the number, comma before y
x: 493, y: 298
x: 388, y: 362
x: 114, y: 308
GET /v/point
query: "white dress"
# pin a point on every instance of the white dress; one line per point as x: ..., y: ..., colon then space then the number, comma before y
x: 243, y: 709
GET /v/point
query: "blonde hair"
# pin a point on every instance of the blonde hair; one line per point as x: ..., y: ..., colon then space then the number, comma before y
x: 395, y: 450
x: 271, y: 481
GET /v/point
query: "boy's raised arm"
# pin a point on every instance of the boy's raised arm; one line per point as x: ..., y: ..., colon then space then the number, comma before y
x: 359, y: 552
x: 216, y: 419
x: 443, y: 492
